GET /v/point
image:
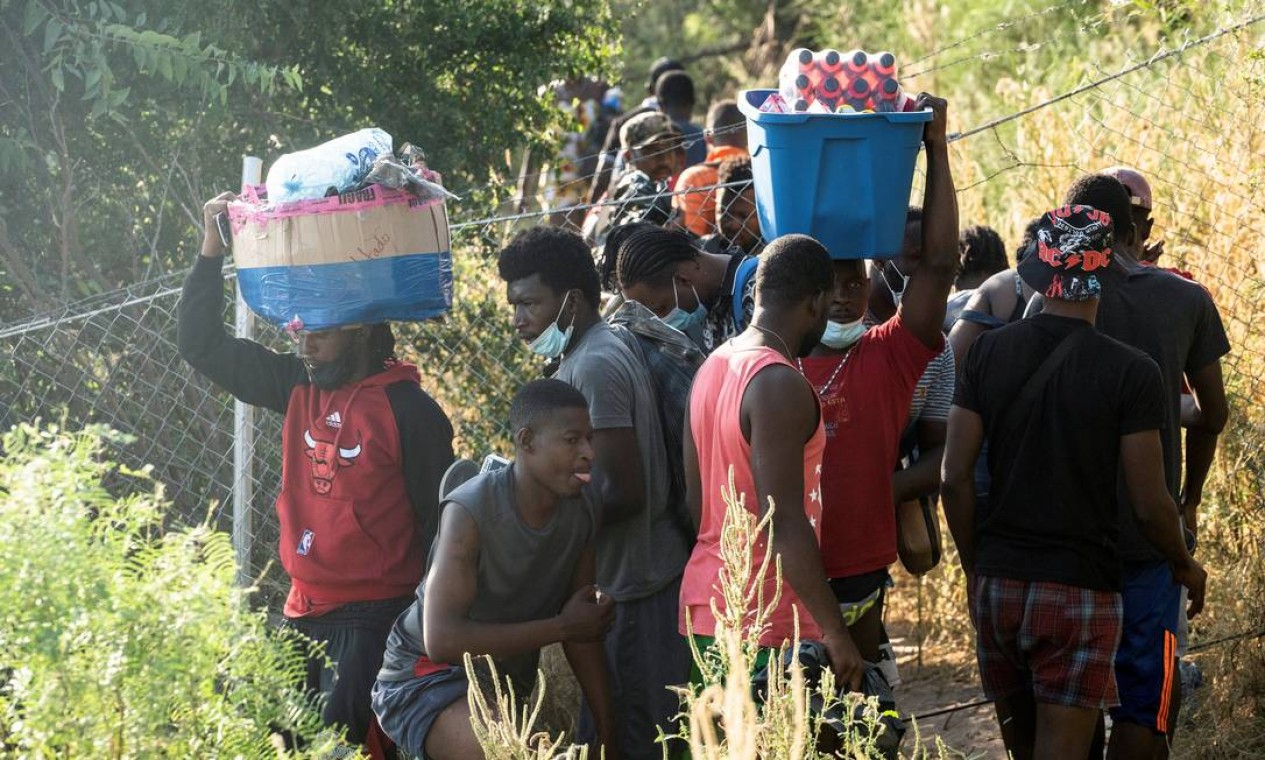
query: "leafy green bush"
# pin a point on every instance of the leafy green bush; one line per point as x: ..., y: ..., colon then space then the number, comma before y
x: 119, y: 639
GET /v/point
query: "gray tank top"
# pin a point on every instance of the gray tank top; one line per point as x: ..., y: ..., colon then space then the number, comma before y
x: 524, y: 573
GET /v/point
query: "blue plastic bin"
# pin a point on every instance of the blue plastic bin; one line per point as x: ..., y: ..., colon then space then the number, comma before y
x: 842, y: 178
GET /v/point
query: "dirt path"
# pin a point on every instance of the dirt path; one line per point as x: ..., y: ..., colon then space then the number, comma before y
x: 942, y: 682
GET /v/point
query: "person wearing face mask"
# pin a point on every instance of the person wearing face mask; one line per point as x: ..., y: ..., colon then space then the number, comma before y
x: 865, y: 379
x: 552, y: 285
x: 363, y: 450
x: 691, y: 289
x: 645, y: 273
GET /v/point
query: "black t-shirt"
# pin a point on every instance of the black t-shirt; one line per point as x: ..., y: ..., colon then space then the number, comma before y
x: 1051, y: 514
x: 1176, y: 323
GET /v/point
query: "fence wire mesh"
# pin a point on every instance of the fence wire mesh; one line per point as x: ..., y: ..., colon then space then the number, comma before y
x: 114, y: 359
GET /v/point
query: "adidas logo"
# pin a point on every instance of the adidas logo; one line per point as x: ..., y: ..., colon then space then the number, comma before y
x: 334, y: 421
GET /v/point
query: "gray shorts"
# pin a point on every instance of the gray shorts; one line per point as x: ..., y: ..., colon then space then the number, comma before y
x: 407, y: 709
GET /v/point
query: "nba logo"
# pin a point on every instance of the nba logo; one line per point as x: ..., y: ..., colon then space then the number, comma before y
x: 305, y: 543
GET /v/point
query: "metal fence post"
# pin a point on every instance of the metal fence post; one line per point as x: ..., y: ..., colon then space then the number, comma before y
x: 243, y: 457
x: 244, y: 420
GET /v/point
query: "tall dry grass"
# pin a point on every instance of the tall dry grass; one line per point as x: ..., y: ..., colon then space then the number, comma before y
x: 1194, y: 127
x: 720, y: 719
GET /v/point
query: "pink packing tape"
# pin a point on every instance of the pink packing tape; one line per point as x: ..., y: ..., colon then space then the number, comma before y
x: 250, y: 209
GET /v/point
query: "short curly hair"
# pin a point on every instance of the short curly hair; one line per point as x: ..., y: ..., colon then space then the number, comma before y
x: 793, y: 268
x: 1105, y: 193
x: 558, y: 255
x: 983, y: 251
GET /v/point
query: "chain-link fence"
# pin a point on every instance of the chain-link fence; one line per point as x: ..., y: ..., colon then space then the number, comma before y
x: 1187, y: 117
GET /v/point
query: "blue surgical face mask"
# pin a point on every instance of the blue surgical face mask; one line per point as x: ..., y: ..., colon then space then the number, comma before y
x: 553, y: 341
x: 680, y: 318
x: 840, y: 335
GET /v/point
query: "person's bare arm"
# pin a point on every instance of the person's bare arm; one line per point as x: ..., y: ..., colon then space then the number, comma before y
x: 922, y: 308
x: 923, y: 476
x: 588, y: 661
x: 964, y: 439
x: 618, y: 470
x: 451, y: 587
x: 781, y: 415
x: 1142, y: 460
x: 693, y: 476
x: 1201, y: 438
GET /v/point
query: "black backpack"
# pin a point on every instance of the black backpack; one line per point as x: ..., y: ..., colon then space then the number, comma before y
x: 671, y: 360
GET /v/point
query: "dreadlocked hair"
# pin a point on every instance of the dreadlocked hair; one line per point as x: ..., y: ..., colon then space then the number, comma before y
x: 651, y: 256
x: 381, y: 345
x: 609, y: 255
x: 983, y: 252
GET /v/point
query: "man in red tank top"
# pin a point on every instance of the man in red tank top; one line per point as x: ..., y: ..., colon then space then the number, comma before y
x: 754, y: 418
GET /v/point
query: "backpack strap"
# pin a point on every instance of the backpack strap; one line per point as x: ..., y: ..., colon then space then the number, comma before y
x: 1019, y: 410
x: 742, y: 278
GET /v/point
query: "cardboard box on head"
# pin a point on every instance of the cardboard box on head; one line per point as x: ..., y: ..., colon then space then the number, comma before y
x: 367, y: 256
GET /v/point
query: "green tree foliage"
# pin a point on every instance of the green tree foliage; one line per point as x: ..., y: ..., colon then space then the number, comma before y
x: 118, y: 640
x: 120, y: 118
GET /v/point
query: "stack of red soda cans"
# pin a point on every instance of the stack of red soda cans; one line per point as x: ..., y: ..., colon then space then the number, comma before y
x: 834, y: 82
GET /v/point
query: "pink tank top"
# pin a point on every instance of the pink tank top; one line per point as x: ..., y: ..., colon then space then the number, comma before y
x: 715, y: 423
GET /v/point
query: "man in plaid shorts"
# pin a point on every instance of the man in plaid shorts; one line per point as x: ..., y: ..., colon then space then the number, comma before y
x: 1064, y: 409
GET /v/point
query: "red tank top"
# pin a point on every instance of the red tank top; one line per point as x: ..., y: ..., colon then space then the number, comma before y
x: 716, y: 426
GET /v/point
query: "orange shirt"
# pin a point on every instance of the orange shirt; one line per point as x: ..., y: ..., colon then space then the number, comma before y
x: 698, y: 209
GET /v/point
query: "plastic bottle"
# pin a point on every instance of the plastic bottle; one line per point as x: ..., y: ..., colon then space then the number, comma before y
x: 830, y: 61
x: 338, y: 164
x: 829, y: 88
x: 857, y: 61
x: 884, y: 64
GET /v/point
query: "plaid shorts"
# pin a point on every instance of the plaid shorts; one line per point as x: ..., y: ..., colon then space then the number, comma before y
x: 1055, y: 641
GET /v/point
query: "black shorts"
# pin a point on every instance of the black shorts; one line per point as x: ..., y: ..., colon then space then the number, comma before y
x: 355, y: 638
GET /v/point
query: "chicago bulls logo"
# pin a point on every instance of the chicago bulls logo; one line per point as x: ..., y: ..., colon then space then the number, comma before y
x: 326, y: 459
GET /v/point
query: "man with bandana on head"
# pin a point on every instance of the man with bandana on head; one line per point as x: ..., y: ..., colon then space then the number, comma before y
x: 1069, y: 414
x: 363, y: 450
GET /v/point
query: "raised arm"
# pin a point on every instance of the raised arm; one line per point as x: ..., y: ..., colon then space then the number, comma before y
x: 451, y: 587
x: 247, y: 370
x: 923, y: 306
x: 782, y: 415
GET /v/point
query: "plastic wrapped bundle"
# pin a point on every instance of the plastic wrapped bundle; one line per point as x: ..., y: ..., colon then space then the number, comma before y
x: 330, y: 168
x: 368, y: 256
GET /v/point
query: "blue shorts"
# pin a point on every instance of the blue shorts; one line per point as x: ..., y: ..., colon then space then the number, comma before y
x: 407, y: 709
x: 1146, y: 662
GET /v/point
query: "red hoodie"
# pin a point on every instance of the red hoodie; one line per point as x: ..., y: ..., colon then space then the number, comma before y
x: 347, y: 528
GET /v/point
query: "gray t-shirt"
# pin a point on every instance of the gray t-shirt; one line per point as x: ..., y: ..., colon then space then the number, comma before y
x: 934, y: 393
x: 524, y: 573
x: 641, y: 555
x: 1176, y: 322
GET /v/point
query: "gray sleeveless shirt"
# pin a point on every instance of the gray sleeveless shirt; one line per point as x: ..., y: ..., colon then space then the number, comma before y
x: 523, y: 573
